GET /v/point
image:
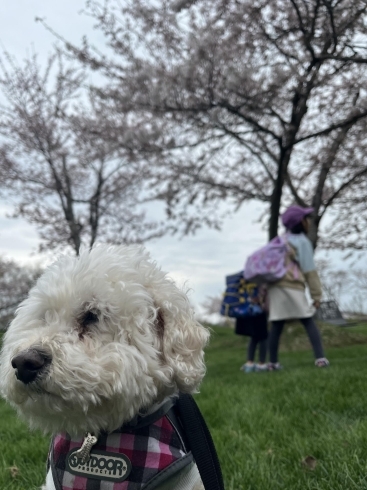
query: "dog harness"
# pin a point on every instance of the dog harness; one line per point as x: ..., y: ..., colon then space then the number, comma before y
x: 139, y: 456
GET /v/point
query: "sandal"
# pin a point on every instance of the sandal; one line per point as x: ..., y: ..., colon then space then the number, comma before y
x: 274, y: 366
x: 261, y: 368
x: 248, y: 368
x: 322, y: 362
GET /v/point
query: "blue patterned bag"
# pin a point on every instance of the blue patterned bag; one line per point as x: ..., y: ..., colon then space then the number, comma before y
x: 242, y: 298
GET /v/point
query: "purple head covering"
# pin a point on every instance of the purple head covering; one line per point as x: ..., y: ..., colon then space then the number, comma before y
x: 294, y: 215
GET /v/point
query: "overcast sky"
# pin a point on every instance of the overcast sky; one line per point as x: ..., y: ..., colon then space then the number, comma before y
x: 201, y: 261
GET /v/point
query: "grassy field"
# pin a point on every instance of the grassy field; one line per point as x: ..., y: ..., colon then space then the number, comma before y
x: 301, y: 428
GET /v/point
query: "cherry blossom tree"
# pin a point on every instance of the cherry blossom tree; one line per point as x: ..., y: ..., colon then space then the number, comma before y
x: 256, y: 100
x: 59, y: 168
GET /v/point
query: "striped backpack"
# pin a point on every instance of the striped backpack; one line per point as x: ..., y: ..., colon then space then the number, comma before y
x: 242, y: 298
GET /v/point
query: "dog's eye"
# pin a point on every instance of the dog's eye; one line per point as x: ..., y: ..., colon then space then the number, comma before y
x: 89, y: 318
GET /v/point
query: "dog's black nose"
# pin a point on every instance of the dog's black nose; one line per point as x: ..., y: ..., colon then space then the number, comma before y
x: 28, y: 364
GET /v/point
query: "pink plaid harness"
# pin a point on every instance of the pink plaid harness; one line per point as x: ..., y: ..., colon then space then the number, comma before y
x: 136, y: 457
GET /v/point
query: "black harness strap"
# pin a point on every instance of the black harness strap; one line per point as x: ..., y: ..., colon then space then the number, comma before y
x: 201, y: 442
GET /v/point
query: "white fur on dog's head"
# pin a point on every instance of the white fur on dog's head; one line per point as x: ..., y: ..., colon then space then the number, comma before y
x: 145, y: 345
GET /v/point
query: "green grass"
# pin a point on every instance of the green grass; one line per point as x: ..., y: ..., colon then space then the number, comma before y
x: 264, y: 425
x: 22, y: 453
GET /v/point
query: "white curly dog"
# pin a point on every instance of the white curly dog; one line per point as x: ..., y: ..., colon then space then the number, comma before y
x: 96, y: 356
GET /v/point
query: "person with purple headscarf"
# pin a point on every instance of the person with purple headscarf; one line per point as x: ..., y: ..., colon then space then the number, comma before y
x: 287, y: 297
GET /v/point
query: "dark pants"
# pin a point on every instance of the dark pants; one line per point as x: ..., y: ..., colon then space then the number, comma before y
x: 263, y: 346
x: 256, y: 328
x: 312, y: 332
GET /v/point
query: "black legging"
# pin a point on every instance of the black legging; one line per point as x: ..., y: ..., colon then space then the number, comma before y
x: 312, y: 332
x: 263, y: 345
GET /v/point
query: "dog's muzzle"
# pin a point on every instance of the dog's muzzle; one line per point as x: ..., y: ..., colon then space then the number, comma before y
x: 28, y: 364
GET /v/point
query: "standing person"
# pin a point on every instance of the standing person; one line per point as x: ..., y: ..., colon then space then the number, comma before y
x: 246, y: 301
x: 287, y: 298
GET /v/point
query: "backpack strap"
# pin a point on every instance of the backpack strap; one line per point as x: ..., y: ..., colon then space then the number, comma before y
x: 201, y: 442
x: 292, y: 263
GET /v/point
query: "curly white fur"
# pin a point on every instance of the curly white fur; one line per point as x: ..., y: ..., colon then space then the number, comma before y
x: 145, y: 345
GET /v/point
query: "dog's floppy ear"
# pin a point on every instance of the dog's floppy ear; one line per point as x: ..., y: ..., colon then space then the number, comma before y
x: 182, y: 339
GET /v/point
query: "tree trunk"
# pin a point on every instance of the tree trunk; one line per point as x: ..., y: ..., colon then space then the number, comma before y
x: 74, y: 226
x: 313, y: 232
x: 94, y: 210
x: 276, y: 197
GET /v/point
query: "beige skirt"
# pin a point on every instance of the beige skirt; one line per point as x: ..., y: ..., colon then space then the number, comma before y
x: 288, y: 303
